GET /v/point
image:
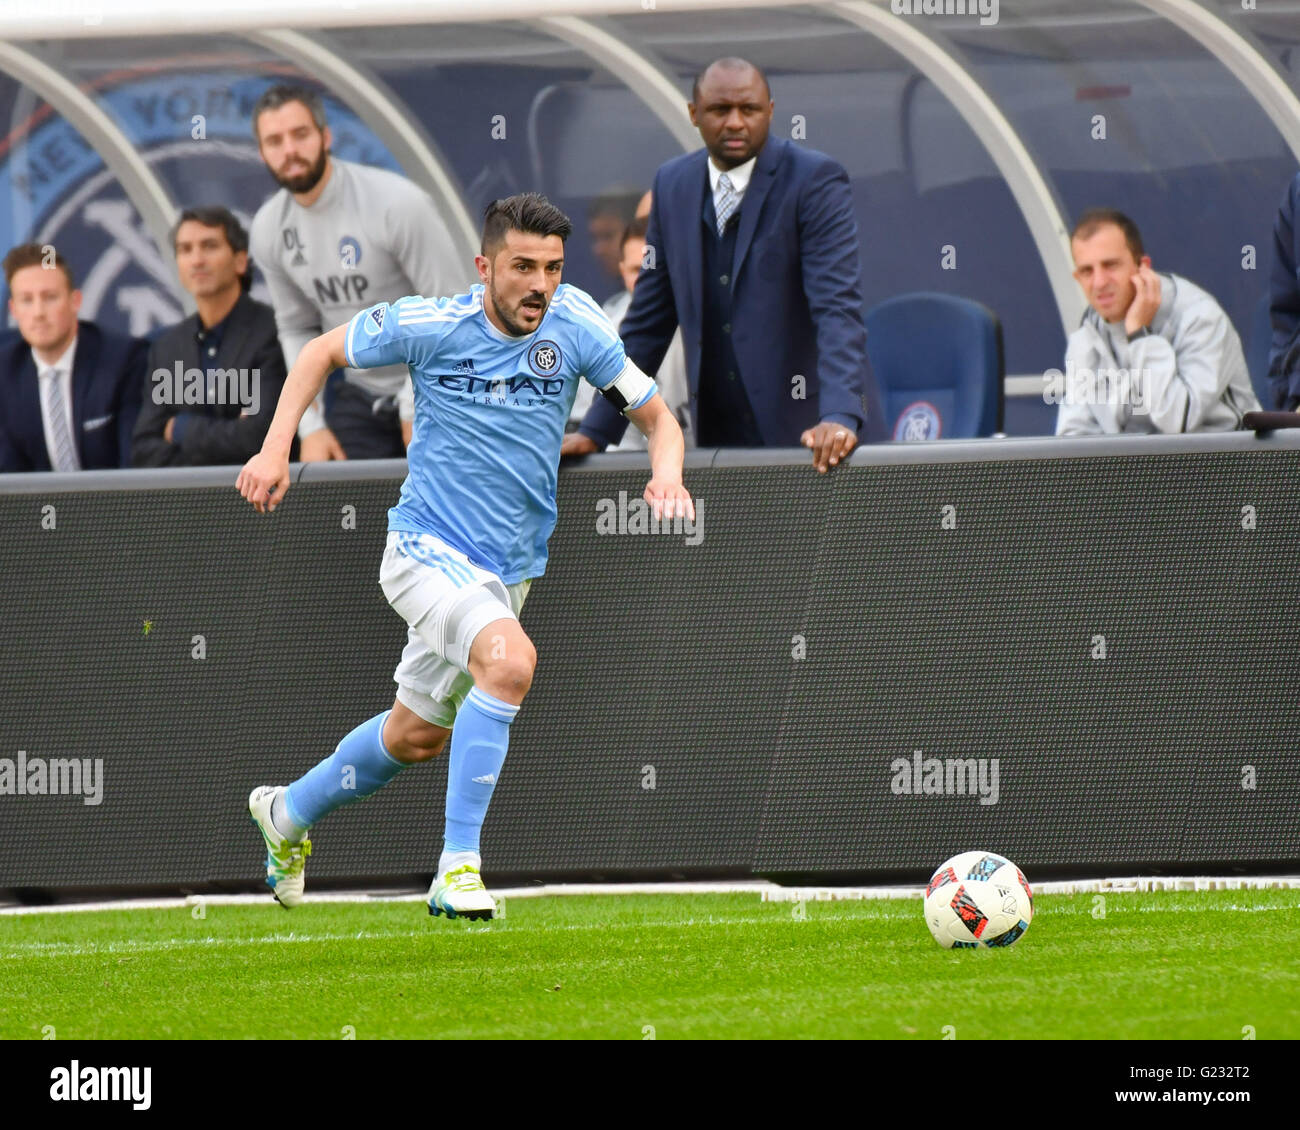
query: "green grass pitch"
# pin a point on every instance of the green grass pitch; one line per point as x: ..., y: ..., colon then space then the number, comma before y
x: 633, y: 967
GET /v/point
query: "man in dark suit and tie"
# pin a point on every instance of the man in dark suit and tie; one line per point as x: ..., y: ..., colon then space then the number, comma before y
x: 69, y: 391
x: 215, y: 377
x: 756, y: 258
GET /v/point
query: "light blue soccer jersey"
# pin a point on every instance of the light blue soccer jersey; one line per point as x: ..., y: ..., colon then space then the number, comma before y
x: 490, y: 411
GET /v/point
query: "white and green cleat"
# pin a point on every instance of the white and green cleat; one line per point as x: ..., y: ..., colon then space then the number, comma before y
x: 285, y: 861
x: 460, y: 894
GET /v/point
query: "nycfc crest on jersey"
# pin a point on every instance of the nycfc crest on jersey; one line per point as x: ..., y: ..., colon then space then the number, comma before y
x: 545, y: 358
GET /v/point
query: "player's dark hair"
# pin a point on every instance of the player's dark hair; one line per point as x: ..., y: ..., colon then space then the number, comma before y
x: 216, y: 216
x: 730, y: 63
x: 637, y: 229
x: 283, y: 93
x: 1095, y: 218
x: 528, y: 212
x: 36, y: 255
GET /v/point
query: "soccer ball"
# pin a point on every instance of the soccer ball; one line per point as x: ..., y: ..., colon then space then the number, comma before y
x: 977, y: 900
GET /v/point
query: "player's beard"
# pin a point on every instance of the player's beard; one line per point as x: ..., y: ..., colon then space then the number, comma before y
x: 305, y: 182
x: 513, y: 327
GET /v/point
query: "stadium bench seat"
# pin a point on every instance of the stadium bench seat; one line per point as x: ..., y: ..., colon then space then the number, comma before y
x: 939, y: 362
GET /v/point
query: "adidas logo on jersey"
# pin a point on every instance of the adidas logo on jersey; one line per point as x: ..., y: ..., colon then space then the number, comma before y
x: 464, y: 366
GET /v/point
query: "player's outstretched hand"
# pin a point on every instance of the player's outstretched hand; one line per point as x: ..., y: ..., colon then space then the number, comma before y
x: 830, y: 442
x: 669, y: 500
x: 264, y: 481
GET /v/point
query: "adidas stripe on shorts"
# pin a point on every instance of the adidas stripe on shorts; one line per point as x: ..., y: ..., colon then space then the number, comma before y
x: 446, y: 600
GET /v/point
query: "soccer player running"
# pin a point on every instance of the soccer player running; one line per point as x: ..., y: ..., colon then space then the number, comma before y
x: 495, y: 372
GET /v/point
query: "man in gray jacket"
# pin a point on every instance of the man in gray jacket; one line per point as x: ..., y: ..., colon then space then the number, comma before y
x: 1155, y: 353
x: 336, y: 239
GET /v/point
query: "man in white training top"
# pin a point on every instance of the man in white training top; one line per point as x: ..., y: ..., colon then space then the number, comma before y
x: 1154, y: 354
x: 337, y: 238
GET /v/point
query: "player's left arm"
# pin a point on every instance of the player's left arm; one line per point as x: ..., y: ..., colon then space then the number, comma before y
x: 637, y: 396
x: 666, y: 447
x: 626, y: 388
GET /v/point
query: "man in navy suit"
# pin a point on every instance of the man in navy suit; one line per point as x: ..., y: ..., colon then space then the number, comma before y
x: 69, y: 391
x: 756, y: 258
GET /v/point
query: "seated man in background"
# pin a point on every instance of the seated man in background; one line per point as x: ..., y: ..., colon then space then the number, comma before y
x: 1284, y: 304
x: 69, y: 391
x: 1155, y: 353
x: 214, y: 378
x: 671, y: 377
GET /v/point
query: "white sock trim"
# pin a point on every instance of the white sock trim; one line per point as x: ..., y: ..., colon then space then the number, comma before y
x: 450, y: 860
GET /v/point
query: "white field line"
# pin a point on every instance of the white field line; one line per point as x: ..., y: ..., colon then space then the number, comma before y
x: 71, y: 949
x: 767, y: 892
x: 739, y: 887
x: 1069, y: 887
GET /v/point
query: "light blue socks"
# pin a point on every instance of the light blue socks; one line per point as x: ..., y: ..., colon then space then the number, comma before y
x: 478, y: 750
x: 361, y: 766
x: 358, y: 767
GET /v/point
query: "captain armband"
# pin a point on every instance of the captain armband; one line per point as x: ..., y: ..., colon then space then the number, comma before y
x: 630, y: 389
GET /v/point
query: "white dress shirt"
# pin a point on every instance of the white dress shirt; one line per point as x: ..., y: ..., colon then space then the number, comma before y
x: 739, y: 177
x: 44, y: 373
x: 740, y: 182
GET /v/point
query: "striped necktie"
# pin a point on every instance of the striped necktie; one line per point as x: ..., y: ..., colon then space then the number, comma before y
x: 726, y: 202
x: 55, y: 405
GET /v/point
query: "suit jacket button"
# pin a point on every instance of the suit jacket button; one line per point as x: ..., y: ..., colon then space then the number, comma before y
x: 724, y: 279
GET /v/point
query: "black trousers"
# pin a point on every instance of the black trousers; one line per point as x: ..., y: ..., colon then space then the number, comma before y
x: 366, y: 427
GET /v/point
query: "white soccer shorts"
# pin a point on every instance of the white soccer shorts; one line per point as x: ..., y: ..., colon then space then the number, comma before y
x: 446, y: 600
